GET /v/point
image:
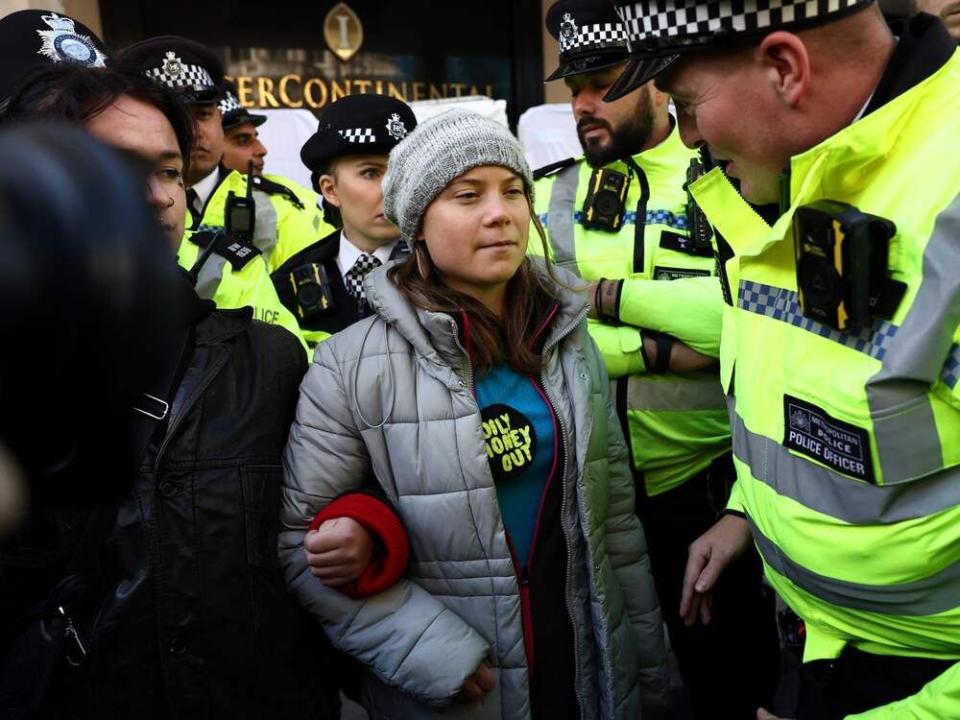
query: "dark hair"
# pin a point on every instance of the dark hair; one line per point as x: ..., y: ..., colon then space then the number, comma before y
x: 89, y: 291
x: 75, y: 94
x: 491, y: 340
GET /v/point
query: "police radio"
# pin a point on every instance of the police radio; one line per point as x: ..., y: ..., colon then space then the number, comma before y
x: 701, y: 233
x: 604, y: 205
x: 312, y: 293
x: 842, y: 259
x: 240, y: 215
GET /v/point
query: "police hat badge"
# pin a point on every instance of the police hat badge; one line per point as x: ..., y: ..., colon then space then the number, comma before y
x: 172, y: 66
x: 395, y: 127
x: 568, y: 31
x: 62, y: 43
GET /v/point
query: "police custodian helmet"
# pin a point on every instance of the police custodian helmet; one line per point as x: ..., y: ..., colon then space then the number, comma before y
x: 31, y: 39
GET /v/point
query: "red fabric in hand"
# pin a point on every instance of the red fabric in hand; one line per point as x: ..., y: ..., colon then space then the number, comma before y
x: 379, y: 519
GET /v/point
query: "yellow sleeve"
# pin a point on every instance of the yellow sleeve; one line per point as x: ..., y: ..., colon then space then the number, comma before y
x: 688, y: 309
x: 619, y: 347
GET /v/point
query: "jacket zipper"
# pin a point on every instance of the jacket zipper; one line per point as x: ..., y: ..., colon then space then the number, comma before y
x: 523, y: 580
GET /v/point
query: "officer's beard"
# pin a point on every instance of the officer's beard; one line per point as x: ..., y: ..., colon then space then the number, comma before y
x: 622, y: 142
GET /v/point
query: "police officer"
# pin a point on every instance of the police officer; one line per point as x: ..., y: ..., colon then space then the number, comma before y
x: 620, y: 213
x: 229, y: 268
x: 840, y: 348
x: 241, y: 140
x: 347, y: 158
x: 241, y: 147
x: 33, y: 39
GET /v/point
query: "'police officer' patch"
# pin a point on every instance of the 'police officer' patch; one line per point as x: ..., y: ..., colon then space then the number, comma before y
x: 813, y: 432
x: 509, y: 441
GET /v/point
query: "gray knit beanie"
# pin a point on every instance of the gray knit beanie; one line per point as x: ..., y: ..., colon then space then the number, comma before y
x: 439, y: 150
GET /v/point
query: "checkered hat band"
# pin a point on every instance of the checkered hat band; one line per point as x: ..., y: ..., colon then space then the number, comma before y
x: 594, y: 37
x: 360, y: 136
x: 192, y: 77
x: 229, y: 104
x: 653, y: 22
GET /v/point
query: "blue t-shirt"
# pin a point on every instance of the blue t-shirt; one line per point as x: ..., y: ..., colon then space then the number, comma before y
x: 520, y: 442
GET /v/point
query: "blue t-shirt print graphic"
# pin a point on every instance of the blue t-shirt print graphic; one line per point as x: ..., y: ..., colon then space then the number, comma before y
x: 519, y: 439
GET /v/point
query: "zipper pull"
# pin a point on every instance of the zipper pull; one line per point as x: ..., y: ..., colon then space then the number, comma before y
x: 75, y: 651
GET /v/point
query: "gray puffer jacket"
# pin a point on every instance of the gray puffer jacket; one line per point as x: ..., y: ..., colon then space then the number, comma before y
x: 391, y: 397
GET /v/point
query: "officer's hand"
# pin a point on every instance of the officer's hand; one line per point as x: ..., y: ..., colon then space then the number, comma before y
x: 338, y: 551
x: 709, y: 556
x: 764, y: 715
x: 477, y: 685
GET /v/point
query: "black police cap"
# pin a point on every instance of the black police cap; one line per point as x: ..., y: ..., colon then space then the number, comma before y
x: 358, y: 125
x: 188, y: 68
x: 590, y: 34
x: 34, y: 38
x: 660, y: 31
x: 233, y: 113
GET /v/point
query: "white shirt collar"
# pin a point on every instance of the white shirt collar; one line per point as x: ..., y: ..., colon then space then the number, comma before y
x: 205, y: 187
x: 350, y: 253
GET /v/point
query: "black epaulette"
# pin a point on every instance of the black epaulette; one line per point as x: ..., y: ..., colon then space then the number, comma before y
x: 553, y: 168
x: 274, y: 188
x: 214, y: 240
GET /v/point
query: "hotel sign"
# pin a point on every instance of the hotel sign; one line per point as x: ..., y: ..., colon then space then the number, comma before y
x: 343, y: 31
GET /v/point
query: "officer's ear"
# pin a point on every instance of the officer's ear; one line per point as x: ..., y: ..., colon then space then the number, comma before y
x: 785, y: 63
x: 327, y: 185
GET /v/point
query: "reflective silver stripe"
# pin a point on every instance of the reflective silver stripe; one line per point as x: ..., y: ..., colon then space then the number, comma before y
x: 210, y: 276
x: 674, y: 392
x: 823, y: 491
x: 560, y: 218
x: 908, y: 442
x: 265, y: 229
x: 937, y: 593
x: 782, y: 304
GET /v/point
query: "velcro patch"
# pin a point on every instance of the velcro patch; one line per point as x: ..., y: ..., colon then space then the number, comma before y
x: 238, y: 254
x: 669, y: 273
x: 681, y: 243
x: 811, y: 431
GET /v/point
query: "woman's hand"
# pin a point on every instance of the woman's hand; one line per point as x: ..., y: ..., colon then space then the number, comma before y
x: 338, y: 551
x: 477, y: 685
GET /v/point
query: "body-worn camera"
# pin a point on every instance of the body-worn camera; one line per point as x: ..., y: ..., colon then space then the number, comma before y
x: 604, y: 205
x: 311, y: 290
x: 842, y: 265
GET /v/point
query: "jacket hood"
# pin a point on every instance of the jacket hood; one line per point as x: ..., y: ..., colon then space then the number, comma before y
x: 434, y: 335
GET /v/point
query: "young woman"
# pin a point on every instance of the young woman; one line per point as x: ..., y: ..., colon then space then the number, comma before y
x: 477, y: 399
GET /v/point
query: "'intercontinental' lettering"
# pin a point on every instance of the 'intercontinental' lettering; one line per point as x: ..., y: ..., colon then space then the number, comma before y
x: 295, y: 91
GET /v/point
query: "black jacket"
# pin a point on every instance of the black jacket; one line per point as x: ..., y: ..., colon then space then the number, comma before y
x: 186, y: 615
x: 343, y: 309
